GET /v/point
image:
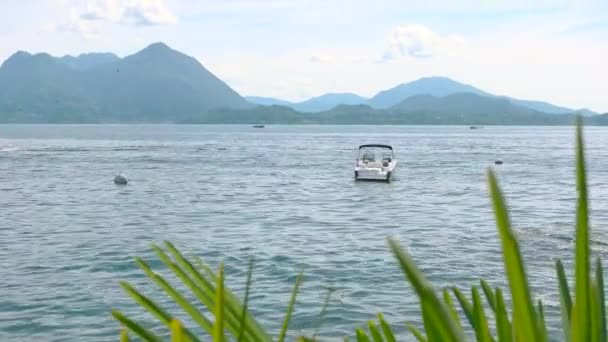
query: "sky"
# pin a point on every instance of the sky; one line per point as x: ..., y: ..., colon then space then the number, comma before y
x: 550, y: 50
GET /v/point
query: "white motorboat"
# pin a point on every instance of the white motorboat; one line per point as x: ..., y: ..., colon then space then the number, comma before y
x: 376, y: 162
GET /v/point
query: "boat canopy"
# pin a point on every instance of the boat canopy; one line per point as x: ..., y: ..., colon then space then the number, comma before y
x: 376, y: 145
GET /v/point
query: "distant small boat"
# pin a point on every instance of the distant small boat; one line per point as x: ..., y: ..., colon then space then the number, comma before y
x: 258, y: 126
x: 473, y: 127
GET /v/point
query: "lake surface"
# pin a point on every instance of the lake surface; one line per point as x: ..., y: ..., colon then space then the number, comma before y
x: 286, y: 195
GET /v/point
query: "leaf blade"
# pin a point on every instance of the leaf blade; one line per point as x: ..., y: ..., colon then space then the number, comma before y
x: 152, y: 307
x: 362, y: 336
x: 177, y: 297
x: 135, y: 327
x: 450, y: 304
x: 482, y: 332
x: 203, y: 289
x: 124, y: 335
x: 467, y: 308
x: 177, y: 333
x: 417, y: 333
x: 386, y: 329
x: 373, y: 330
x: 503, y: 326
x: 218, y: 327
x: 243, y: 319
x: 599, y: 277
x: 487, y: 290
x: 290, y: 307
x: 565, y: 300
x: 541, y: 322
x: 525, y: 326
x: 432, y: 307
x: 580, y: 316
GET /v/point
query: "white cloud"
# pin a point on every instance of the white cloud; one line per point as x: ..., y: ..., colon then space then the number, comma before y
x: 75, y: 24
x: 337, y: 56
x: 88, y: 21
x: 240, y: 5
x: 132, y: 12
x: 523, y: 61
x: 419, y: 42
x: 322, y: 59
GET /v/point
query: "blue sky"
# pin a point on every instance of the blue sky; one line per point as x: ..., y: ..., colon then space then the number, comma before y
x: 548, y: 50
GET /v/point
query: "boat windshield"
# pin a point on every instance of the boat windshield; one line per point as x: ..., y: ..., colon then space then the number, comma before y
x: 375, y: 154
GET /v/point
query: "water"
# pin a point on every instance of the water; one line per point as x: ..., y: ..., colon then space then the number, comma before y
x: 286, y: 195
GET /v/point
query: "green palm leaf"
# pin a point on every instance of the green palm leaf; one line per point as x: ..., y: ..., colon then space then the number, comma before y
x: 487, y: 290
x: 599, y: 278
x: 542, y: 328
x: 482, y: 332
x: 503, y: 326
x: 290, y: 307
x: 465, y: 305
x: 153, y: 308
x: 177, y: 333
x: 386, y: 329
x: 322, y: 312
x: 419, y: 335
x: 525, y: 326
x: 373, y: 330
x: 362, y: 336
x: 448, y: 301
x: 205, y: 291
x: 194, y: 313
x: 565, y: 300
x: 594, y: 313
x: 124, y: 335
x: 218, y: 327
x: 135, y: 327
x: 581, y: 310
x: 253, y: 328
x: 434, y: 311
x: 243, y: 319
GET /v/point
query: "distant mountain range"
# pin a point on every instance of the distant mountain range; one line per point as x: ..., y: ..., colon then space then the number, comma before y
x: 434, y: 86
x: 161, y: 85
x: 454, y: 109
x: 315, y: 104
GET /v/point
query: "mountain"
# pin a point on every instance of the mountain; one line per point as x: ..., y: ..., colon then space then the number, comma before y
x: 468, y: 108
x: 328, y: 101
x: 267, y: 101
x: 442, y: 86
x: 454, y: 109
x: 315, y: 104
x: 159, y: 84
x: 542, y: 106
x: 253, y: 115
x: 40, y: 88
x: 88, y: 60
x: 156, y: 84
x: 434, y: 86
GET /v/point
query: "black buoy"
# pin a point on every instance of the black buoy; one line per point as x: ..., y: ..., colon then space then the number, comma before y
x: 120, y: 180
x: 498, y: 162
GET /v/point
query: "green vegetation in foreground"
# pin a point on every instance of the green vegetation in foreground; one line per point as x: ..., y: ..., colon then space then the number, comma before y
x: 582, y: 308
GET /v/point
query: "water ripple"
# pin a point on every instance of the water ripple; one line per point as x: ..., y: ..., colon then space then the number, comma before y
x: 285, y: 196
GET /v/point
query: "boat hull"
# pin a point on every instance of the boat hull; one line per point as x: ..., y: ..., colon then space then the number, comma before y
x: 375, y: 174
